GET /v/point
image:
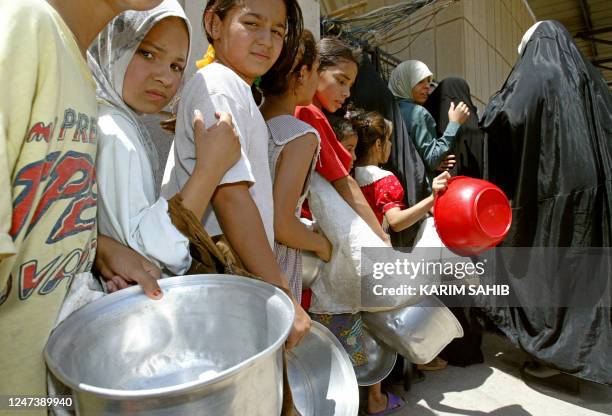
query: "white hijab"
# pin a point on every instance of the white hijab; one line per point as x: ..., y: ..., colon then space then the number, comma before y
x: 113, y: 50
x: 405, y: 76
x: 527, y: 37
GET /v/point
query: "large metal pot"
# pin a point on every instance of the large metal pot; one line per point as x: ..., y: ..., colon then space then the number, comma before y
x: 212, y: 346
x: 417, y: 332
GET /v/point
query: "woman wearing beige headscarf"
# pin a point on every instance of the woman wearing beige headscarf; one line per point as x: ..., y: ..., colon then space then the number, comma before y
x: 410, y: 84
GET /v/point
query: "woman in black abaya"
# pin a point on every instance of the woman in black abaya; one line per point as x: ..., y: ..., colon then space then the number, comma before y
x: 469, y: 141
x: 549, y: 133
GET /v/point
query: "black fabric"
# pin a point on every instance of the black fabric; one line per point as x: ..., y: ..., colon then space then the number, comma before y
x: 371, y: 93
x: 469, y: 151
x: 469, y: 142
x: 549, y: 133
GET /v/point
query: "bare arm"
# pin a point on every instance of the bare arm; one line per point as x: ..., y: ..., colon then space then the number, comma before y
x: 242, y: 225
x: 217, y: 149
x: 121, y: 266
x: 348, y: 188
x: 400, y: 219
x: 292, y: 169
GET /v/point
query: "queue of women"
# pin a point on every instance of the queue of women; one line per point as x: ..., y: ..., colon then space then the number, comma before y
x: 242, y: 172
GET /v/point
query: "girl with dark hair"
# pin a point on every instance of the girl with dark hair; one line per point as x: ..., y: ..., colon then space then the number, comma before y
x: 293, y: 150
x: 384, y: 192
x: 337, y: 73
x: 382, y: 189
x: 249, y: 38
x: 347, y: 136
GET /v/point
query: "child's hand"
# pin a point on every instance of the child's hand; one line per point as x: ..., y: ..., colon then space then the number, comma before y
x: 325, y: 252
x: 120, y: 267
x: 301, y: 326
x: 458, y: 114
x: 447, y: 163
x: 217, y: 147
x: 440, y: 183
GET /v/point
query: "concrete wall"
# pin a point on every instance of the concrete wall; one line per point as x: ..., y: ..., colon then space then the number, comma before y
x: 473, y: 39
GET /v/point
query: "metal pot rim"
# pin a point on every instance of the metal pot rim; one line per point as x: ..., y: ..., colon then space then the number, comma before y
x: 179, y: 389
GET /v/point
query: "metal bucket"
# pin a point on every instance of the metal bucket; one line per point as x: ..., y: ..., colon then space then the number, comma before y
x: 417, y: 332
x: 211, y: 346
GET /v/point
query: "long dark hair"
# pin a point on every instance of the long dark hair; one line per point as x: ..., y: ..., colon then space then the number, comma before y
x: 332, y: 50
x: 370, y: 127
x: 275, y: 82
x: 295, y: 26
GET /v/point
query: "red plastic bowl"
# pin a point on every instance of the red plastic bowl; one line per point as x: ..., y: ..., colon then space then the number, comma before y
x: 472, y: 215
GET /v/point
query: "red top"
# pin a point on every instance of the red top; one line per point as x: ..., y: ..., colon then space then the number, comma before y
x: 381, y: 189
x: 334, y: 160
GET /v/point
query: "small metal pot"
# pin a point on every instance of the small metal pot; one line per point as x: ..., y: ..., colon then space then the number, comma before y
x: 312, y: 267
x: 381, y: 361
x: 417, y: 332
x: 212, y: 346
x: 321, y: 375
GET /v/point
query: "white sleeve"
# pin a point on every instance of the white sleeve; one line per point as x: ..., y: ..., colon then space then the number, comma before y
x: 199, y: 97
x: 127, y: 210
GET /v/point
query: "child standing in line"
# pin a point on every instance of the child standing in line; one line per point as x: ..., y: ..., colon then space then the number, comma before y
x: 337, y: 73
x: 138, y: 62
x: 249, y: 38
x: 383, y: 189
x: 47, y: 150
x: 293, y: 152
x: 348, y: 328
x: 346, y: 135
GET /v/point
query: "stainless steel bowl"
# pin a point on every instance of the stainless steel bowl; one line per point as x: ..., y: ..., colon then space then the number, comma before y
x: 417, y: 332
x: 211, y: 346
x: 321, y: 376
x: 381, y: 361
x: 312, y: 267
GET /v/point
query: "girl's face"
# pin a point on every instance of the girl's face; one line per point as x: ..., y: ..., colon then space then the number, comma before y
x: 307, y: 84
x: 349, y: 142
x: 421, y: 91
x: 155, y: 72
x: 250, y: 38
x: 335, y: 84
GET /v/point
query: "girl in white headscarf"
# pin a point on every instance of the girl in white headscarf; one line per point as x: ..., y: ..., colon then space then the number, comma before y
x: 409, y: 82
x: 138, y: 62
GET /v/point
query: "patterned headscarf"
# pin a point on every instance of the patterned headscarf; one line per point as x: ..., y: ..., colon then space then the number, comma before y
x: 113, y: 50
x: 405, y: 76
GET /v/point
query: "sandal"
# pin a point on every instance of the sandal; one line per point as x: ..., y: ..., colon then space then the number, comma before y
x: 394, y: 404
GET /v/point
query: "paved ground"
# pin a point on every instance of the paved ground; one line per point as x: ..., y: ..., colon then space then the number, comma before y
x: 497, y: 388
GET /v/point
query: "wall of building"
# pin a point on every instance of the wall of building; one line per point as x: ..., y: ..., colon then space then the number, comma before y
x: 474, y: 39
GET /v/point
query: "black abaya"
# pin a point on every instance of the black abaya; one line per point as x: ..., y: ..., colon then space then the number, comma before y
x: 549, y: 132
